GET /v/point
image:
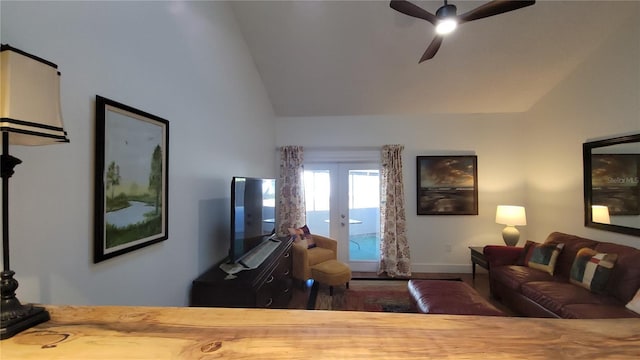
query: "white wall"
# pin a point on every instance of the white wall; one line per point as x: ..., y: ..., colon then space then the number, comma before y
x: 183, y: 61
x: 532, y: 159
x: 600, y: 99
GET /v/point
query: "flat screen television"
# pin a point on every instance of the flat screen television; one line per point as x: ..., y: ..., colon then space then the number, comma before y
x: 252, y: 214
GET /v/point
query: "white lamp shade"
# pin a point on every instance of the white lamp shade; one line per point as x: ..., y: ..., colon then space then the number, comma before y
x: 511, y: 215
x: 30, y: 99
x: 600, y: 214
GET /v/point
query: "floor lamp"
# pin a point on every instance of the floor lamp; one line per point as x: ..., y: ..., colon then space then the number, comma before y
x: 30, y: 115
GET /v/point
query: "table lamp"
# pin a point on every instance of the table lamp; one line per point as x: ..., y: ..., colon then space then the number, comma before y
x: 30, y: 114
x: 511, y: 216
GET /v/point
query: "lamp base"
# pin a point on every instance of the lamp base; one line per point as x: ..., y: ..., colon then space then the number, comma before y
x: 510, y: 235
x: 15, y: 317
x: 34, y: 315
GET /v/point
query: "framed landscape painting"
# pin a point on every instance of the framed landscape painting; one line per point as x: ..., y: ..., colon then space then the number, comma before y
x: 615, y: 182
x: 447, y: 185
x: 131, y: 179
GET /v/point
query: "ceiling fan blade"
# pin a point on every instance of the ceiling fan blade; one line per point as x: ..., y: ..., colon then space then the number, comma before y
x: 492, y: 8
x: 410, y: 9
x: 432, y: 49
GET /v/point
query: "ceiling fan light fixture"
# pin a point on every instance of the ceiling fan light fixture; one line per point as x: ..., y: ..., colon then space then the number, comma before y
x: 446, y: 26
x: 446, y: 20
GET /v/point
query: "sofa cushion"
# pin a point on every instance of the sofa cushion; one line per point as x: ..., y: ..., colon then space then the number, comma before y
x: 572, y: 244
x: 543, y: 256
x: 513, y: 276
x: 319, y: 255
x: 592, y: 269
x: 595, y: 311
x: 554, y: 295
x: 625, y: 277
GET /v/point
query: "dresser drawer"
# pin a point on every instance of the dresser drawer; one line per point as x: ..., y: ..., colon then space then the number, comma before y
x: 275, y: 292
x: 266, y: 293
x: 268, y: 286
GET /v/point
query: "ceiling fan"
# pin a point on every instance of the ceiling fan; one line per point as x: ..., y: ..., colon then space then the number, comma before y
x: 445, y: 20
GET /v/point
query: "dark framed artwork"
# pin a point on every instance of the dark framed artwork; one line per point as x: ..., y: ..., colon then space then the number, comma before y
x: 131, y: 179
x: 615, y: 184
x: 447, y: 185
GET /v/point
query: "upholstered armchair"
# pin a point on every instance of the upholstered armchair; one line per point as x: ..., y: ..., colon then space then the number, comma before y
x: 303, y: 258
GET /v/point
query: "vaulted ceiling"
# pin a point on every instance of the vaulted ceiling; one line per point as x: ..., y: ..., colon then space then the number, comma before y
x: 330, y: 58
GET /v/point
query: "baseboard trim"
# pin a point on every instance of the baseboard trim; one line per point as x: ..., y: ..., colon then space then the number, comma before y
x: 444, y: 268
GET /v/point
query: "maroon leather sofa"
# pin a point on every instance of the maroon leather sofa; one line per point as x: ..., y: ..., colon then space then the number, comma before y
x: 534, y: 293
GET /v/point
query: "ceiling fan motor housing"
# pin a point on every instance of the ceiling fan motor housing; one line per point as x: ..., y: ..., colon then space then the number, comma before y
x: 446, y: 11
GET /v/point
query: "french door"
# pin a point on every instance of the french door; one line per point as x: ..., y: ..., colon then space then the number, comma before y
x: 343, y: 202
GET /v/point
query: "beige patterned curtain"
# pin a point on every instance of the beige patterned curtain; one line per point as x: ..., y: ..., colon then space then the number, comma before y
x: 394, y: 247
x: 291, y: 210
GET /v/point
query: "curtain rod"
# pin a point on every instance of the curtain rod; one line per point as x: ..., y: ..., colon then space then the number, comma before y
x: 338, y: 148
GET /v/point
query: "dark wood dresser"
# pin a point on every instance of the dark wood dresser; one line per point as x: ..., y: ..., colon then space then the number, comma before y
x: 268, y: 286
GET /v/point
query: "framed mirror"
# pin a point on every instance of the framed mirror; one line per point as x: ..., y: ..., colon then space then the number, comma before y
x: 612, y: 184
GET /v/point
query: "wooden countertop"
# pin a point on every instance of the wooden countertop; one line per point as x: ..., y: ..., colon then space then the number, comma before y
x: 120, y: 332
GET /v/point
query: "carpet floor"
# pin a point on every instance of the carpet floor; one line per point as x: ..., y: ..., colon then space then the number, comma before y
x: 364, y: 295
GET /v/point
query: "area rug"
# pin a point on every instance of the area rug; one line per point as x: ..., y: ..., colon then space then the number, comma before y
x: 364, y: 295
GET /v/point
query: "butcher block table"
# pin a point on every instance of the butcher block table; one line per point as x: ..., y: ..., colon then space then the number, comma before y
x: 120, y: 332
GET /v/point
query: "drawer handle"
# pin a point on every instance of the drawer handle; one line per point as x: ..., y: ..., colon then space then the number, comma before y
x: 287, y: 255
x: 286, y: 272
x: 286, y: 290
x: 271, y: 278
x: 268, y: 304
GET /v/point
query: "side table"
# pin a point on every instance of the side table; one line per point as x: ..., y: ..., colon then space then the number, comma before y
x: 477, y: 258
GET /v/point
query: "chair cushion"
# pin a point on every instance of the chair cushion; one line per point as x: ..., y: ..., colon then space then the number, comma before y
x: 331, y: 272
x: 319, y: 255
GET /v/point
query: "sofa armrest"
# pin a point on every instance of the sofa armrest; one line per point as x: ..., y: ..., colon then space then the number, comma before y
x: 499, y: 255
x: 325, y: 242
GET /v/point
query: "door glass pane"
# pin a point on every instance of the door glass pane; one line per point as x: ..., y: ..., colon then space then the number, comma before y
x: 364, y: 215
x: 317, y: 187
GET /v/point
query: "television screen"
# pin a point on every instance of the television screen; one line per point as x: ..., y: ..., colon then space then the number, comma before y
x: 252, y: 214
